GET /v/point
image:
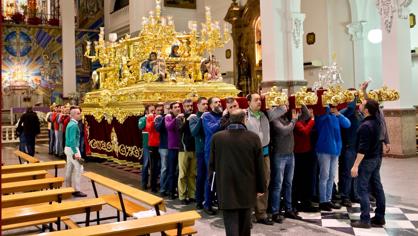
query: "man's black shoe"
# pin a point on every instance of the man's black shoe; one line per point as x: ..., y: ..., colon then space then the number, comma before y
x: 377, y: 222
x: 277, y: 218
x: 346, y: 202
x: 192, y: 200
x: 173, y: 196
x: 325, y: 206
x: 310, y: 209
x: 265, y: 221
x: 163, y: 194
x: 334, y: 205
x: 359, y: 224
x: 199, y: 206
x: 292, y: 215
x: 79, y: 194
x: 184, y: 202
x: 210, y: 211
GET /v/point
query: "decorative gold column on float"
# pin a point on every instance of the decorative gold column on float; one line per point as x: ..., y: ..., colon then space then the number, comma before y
x: 124, y: 88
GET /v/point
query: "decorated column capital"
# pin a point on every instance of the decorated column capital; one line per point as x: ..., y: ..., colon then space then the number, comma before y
x: 356, y: 30
x: 387, y: 9
x: 297, y: 28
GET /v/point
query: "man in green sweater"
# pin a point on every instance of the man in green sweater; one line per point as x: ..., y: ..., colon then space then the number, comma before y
x: 72, y: 151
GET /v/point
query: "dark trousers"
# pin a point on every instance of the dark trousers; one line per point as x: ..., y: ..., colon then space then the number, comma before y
x: 369, y: 172
x: 51, y: 136
x: 30, y: 144
x: 155, y: 163
x: 173, y: 156
x: 201, y: 177
x: 303, y: 178
x: 145, y: 167
x: 347, y: 184
x: 237, y: 222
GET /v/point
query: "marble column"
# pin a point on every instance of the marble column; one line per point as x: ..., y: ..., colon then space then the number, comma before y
x: 68, y: 47
x: 397, y: 74
x: 282, y: 44
x: 355, y: 29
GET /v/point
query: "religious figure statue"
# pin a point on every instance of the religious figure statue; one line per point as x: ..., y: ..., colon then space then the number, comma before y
x: 244, y: 73
x: 210, y: 69
x: 155, y: 66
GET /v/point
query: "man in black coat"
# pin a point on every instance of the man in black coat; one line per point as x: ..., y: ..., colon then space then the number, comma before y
x: 30, y: 126
x: 236, y: 157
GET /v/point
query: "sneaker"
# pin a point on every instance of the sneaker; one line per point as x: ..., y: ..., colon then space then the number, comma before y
x: 210, y: 211
x: 266, y: 221
x: 325, y: 206
x: 359, y: 224
x: 346, y: 202
x: 277, y: 218
x: 292, y: 215
x: 334, y: 205
x: 377, y: 222
x: 79, y: 194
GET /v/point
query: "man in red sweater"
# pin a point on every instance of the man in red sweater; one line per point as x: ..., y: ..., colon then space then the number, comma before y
x: 153, y: 144
x: 303, y: 187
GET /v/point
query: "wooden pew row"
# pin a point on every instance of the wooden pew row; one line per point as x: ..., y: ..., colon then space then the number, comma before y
x: 29, y: 175
x: 26, y: 157
x: 33, y: 215
x: 126, y: 206
x: 31, y: 185
x: 142, y: 226
x: 21, y: 199
x: 8, y: 169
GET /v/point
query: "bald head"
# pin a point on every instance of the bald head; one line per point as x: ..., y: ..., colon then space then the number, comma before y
x: 75, y: 113
x: 237, y: 116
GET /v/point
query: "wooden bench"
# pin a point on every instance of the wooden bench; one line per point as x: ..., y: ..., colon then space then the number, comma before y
x: 21, y: 199
x: 28, y: 158
x: 8, y: 169
x: 136, y: 227
x: 33, y: 215
x: 29, y: 175
x: 126, y: 206
x: 31, y: 185
x: 65, y: 219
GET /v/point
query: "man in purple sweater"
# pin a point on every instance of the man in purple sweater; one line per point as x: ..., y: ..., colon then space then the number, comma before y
x: 172, y: 122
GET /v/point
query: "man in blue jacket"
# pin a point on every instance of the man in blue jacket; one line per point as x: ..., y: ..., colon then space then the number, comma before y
x: 211, y: 125
x: 196, y: 128
x: 328, y: 148
x: 163, y: 149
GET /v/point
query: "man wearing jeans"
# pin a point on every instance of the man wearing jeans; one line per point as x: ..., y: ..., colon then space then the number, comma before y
x: 196, y: 128
x: 282, y: 161
x: 328, y: 148
x: 367, y: 166
x: 163, y: 149
x: 72, y: 151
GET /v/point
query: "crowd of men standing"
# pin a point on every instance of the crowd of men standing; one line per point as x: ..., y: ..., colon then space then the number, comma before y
x: 274, y: 163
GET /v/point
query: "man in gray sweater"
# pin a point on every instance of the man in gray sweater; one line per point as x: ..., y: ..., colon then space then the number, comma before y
x: 258, y: 123
x: 282, y: 161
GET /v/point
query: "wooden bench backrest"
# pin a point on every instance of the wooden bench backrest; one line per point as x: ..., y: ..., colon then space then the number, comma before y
x: 14, y: 215
x: 7, y: 169
x: 28, y: 158
x: 132, y: 192
x: 21, y: 199
x: 30, y: 185
x: 134, y: 227
x: 29, y: 175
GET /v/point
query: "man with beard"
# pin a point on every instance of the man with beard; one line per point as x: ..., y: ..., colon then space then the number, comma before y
x: 196, y: 129
x: 231, y: 105
x: 187, y: 158
x: 211, y: 125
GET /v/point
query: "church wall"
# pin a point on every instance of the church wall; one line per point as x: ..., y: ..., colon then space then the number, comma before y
x: 414, y: 45
x: 328, y: 20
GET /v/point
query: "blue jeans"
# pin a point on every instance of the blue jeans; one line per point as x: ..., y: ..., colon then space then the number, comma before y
x: 282, y: 168
x: 201, y: 177
x: 327, y: 170
x: 173, y: 157
x: 145, y: 167
x: 347, y: 184
x: 208, y: 184
x: 369, y: 173
x: 163, y: 174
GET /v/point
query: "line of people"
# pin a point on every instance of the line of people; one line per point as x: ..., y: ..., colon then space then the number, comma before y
x: 301, y: 153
